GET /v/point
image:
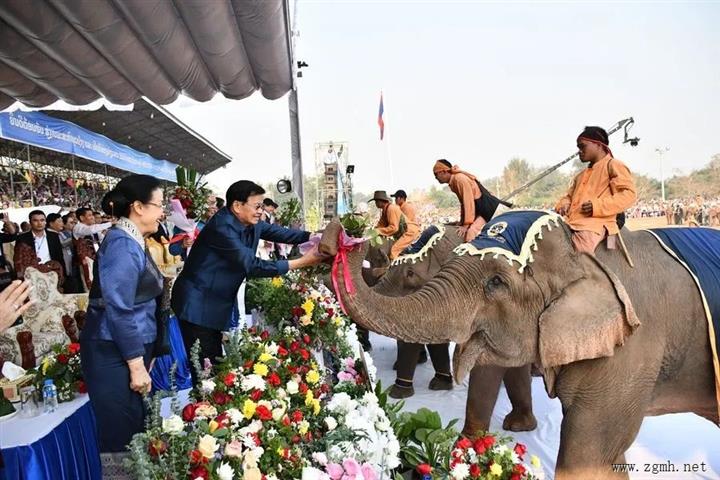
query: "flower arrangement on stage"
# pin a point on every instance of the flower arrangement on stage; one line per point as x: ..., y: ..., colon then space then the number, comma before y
x: 192, y: 194
x: 63, y: 367
x: 293, y: 398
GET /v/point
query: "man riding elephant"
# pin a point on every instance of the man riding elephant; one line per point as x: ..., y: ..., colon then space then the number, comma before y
x: 612, y: 345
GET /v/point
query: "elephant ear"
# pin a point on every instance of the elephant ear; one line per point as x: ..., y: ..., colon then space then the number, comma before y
x: 588, y: 319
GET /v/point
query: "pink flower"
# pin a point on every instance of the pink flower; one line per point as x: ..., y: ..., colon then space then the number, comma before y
x: 334, y: 470
x: 351, y: 467
x: 233, y: 449
x: 350, y: 363
x: 345, y: 377
x: 368, y: 472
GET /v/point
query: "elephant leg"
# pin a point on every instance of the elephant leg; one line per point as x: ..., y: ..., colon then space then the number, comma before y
x: 440, y: 356
x: 483, y: 391
x: 595, y: 435
x: 518, y: 383
x: 407, y: 359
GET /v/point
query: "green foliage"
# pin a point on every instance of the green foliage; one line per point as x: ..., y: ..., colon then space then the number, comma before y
x: 290, y: 212
x: 422, y: 437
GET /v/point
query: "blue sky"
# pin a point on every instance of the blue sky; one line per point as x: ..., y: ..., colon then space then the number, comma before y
x: 480, y: 83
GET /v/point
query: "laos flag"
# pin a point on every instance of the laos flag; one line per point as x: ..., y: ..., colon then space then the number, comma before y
x: 381, y: 122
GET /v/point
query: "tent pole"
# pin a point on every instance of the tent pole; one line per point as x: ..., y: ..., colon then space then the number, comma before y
x: 74, y: 174
x: 32, y: 192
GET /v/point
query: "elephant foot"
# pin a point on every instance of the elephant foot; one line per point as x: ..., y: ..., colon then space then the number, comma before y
x: 441, y: 382
x: 399, y: 392
x: 473, y: 431
x: 517, y: 421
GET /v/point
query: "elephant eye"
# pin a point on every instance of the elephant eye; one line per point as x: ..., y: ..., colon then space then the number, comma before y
x: 410, y: 272
x: 494, y: 282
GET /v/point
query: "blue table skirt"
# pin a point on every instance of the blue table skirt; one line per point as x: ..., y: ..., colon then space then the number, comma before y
x: 69, y: 452
x: 160, y: 373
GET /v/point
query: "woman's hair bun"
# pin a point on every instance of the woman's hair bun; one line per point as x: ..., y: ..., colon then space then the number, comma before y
x: 115, y: 204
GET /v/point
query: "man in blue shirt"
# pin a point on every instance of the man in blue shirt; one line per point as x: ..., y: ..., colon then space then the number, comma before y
x: 222, y: 256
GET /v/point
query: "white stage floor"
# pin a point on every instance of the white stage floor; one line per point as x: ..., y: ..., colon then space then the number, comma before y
x: 679, y: 438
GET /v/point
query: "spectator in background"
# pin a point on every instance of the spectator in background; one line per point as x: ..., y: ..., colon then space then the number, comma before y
x: 98, y: 218
x: 40, y: 243
x: 73, y: 282
x: 55, y: 222
x: 24, y: 227
x: 9, y: 234
x: 87, y: 228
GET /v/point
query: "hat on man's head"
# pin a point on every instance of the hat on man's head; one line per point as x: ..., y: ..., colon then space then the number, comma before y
x: 381, y: 195
x: 268, y: 202
x: 399, y: 194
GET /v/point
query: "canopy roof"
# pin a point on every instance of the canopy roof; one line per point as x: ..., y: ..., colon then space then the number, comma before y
x: 81, y: 50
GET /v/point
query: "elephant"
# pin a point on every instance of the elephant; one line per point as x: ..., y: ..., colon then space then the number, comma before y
x: 578, y: 317
x: 408, y: 274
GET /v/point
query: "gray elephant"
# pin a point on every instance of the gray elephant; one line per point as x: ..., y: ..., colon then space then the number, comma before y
x: 407, y: 274
x: 578, y: 317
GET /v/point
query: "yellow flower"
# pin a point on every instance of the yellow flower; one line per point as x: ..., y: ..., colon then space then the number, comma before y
x: 312, y: 377
x: 316, y: 406
x: 309, y: 398
x: 281, y: 451
x: 337, y: 321
x: 535, y: 461
x: 304, y: 426
x: 47, y: 363
x: 306, y: 320
x: 249, y: 408
x: 276, y: 282
x: 260, y: 369
x: 308, y: 306
x: 213, y: 425
x: 496, y: 469
x: 265, y: 357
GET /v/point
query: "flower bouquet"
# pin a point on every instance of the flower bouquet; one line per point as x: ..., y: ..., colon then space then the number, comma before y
x: 63, y: 367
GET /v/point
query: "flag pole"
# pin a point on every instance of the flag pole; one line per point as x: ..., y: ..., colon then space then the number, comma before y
x: 387, y: 149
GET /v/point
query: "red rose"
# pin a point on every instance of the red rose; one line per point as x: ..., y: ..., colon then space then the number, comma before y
x: 297, y: 416
x: 248, y: 365
x: 81, y: 387
x: 220, y: 398
x: 196, y: 457
x: 62, y: 358
x: 304, y: 354
x: 264, y: 335
x: 188, y: 413
x: 298, y: 312
x: 295, y: 346
x: 488, y: 440
x: 282, y: 352
x: 295, y: 439
x: 306, y: 339
x: 520, y: 449
x: 256, y: 395
x: 330, y: 312
x: 479, y: 446
x: 157, y: 447
x: 475, y: 470
x: 252, y: 330
x: 303, y: 388
x: 223, y: 419
x: 200, y: 472
x: 274, y: 379
x: 519, y: 469
x: 515, y: 476
x: 325, y: 388
x: 229, y: 379
x: 286, y: 421
x: 263, y: 413
x: 292, y: 369
x: 424, y: 469
x: 256, y: 439
x: 308, y: 437
x: 74, y: 348
x: 464, y: 443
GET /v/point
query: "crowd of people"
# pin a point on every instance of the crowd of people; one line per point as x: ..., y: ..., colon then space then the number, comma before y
x: 691, y: 211
x: 37, y: 189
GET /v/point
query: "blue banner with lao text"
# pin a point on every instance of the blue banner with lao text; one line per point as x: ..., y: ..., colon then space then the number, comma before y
x: 40, y: 130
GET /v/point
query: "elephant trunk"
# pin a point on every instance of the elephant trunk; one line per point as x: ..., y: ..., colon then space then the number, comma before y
x: 431, y: 315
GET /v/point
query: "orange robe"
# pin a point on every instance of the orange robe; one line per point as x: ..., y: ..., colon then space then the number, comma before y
x: 610, y: 187
x: 389, y: 224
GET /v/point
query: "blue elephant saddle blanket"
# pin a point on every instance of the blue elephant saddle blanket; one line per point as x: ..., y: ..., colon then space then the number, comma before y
x: 698, y: 250
x: 512, y: 235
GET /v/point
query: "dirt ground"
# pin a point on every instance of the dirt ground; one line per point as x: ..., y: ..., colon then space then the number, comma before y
x: 649, y: 222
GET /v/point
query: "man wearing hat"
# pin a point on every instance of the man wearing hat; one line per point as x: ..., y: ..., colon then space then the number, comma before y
x: 477, y: 204
x: 598, y: 193
x: 393, y: 223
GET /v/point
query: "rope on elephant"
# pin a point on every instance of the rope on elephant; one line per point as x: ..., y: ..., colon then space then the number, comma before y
x: 513, y: 235
x: 420, y: 248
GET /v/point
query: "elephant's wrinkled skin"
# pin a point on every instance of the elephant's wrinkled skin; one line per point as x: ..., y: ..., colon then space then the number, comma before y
x: 616, y: 343
x: 405, y: 278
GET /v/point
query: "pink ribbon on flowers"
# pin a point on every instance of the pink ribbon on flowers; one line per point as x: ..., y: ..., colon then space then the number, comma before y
x: 346, y: 244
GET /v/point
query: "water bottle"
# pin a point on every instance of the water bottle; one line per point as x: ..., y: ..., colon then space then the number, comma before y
x: 50, y: 400
x: 427, y: 476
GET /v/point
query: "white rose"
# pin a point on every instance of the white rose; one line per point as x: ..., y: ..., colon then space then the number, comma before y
x: 292, y: 387
x: 331, y: 423
x: 460, y: 471
x: 225, y: 472
x: 173, y: 424
x: 311, y: 473
x: 208, y: 446
x: 207, y: 386
x: 320, y: 458
x: 281, y: 393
